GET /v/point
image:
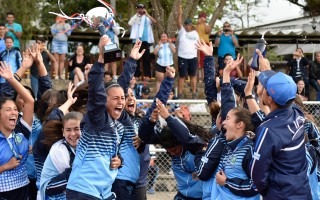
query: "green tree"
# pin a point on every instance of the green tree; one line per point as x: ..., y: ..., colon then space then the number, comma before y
x: 26, y: 14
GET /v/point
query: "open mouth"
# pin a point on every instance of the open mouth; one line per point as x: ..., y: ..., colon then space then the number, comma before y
x: 12, y: 120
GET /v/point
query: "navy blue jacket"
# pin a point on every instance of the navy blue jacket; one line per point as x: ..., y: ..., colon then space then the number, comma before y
x: 279, y: 164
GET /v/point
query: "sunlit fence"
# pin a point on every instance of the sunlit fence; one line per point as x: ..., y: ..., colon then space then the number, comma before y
x: 165, y: 185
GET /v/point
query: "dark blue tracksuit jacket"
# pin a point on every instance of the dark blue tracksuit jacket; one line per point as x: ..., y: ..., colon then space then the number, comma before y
x: 279, y: 164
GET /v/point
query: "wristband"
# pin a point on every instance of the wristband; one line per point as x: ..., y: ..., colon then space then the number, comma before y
x: 249, y: 97
x: 17, y: 77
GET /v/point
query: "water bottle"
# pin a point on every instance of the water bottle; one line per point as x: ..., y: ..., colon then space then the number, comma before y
x: 261, y: 45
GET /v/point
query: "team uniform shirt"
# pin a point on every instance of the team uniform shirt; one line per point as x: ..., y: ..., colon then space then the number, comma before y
x: 165, y: 55
x: 15, y: 145
x: 56, y: 163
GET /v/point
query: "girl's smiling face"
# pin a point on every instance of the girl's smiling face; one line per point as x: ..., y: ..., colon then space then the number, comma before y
x: 71, y: 131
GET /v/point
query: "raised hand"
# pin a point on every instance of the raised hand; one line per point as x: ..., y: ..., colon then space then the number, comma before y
x: 104, y: 40
x: 263, y: 62
x: 154, y: 116
x: 171, y: 72
x: 232, y: 64
x: 163, y: 111
x: 5, y: 71
x: 206, y: 49
x: 70, y: 92
x: 135, y: 54
x: 250, y: 82
x: 27, y: 59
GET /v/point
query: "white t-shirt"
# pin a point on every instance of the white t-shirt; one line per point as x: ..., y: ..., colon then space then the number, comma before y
x: 187, y: 41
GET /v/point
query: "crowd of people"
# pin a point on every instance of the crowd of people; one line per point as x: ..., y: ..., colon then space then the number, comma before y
x: 92, y: 140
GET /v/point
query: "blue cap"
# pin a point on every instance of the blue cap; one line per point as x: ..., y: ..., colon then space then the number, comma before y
x: 188, y: 21
x: 279, y: 86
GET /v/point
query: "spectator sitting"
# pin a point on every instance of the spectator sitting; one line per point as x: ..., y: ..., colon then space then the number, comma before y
x: 77, y: 63
x: 107, y: 77
x: 145, y: 91
x: 236, y: 73
x: 301, y: 90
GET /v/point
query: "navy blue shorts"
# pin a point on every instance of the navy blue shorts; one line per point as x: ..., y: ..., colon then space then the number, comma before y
x: 124, y: 190
x: 187, y: 67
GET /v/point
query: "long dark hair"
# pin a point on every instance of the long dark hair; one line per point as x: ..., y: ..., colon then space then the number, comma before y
x: 195, y: 129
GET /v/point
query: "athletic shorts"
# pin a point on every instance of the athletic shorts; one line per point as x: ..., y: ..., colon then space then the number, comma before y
x: 187, y: 67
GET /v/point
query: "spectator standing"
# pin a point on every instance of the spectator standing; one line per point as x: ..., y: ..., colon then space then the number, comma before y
x: 60, y: 31
x: 11, y: 56
x: 14, y: 30
x: 315, y: 75
x: 141, y: 29
x: 226, y: 41
x: 204, y: 31
x: 187, y: 54
x: 48, y: 60
x: 164, y: 50
x: 2, y: 36
x: 298, y: 67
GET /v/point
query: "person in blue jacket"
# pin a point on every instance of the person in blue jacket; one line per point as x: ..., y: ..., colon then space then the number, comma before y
x: 208, y: 160
x: 96, y: 163
x: 279, y: 164
x: 177, y: 140
x: 233, y: 176
x: 58, y: 165
x: 14, y: 134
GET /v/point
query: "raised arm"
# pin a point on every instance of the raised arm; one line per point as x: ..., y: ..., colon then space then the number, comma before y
x: 209, y: 71
x: 227, y: 93
x: 130, y: 66
x: 180, y: 131
x: 179, y: 18
x: 28, y: 109
x: 96, y: 91
x: 45, y: 82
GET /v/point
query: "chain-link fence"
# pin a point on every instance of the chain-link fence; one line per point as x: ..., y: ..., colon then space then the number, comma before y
x: 164, y: 186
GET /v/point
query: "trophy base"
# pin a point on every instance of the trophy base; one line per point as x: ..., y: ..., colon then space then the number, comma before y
x: 112, y: 53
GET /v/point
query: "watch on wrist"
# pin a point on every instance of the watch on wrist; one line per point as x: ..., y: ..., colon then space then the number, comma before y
x: 249, y: 96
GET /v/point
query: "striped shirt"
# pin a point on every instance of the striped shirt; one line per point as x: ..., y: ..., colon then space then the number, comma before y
x: 165, y: 55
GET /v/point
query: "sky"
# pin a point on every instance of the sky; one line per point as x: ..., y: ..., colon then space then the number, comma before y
x: 276, y: 10
x: 279, y: 10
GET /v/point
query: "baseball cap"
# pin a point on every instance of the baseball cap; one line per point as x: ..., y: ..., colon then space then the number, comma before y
x: 202, y: 15
x: 140, y: 5
x: 145, y: 90
x: 279, y: 86
x: 188, y: 21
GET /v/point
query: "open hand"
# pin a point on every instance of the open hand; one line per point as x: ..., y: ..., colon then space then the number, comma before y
x: 5, y: 71
x: 70, y: 92
x: 135, y: 54
x: 206, y: 49
x: 163, y: 111
x: 250, y: 82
